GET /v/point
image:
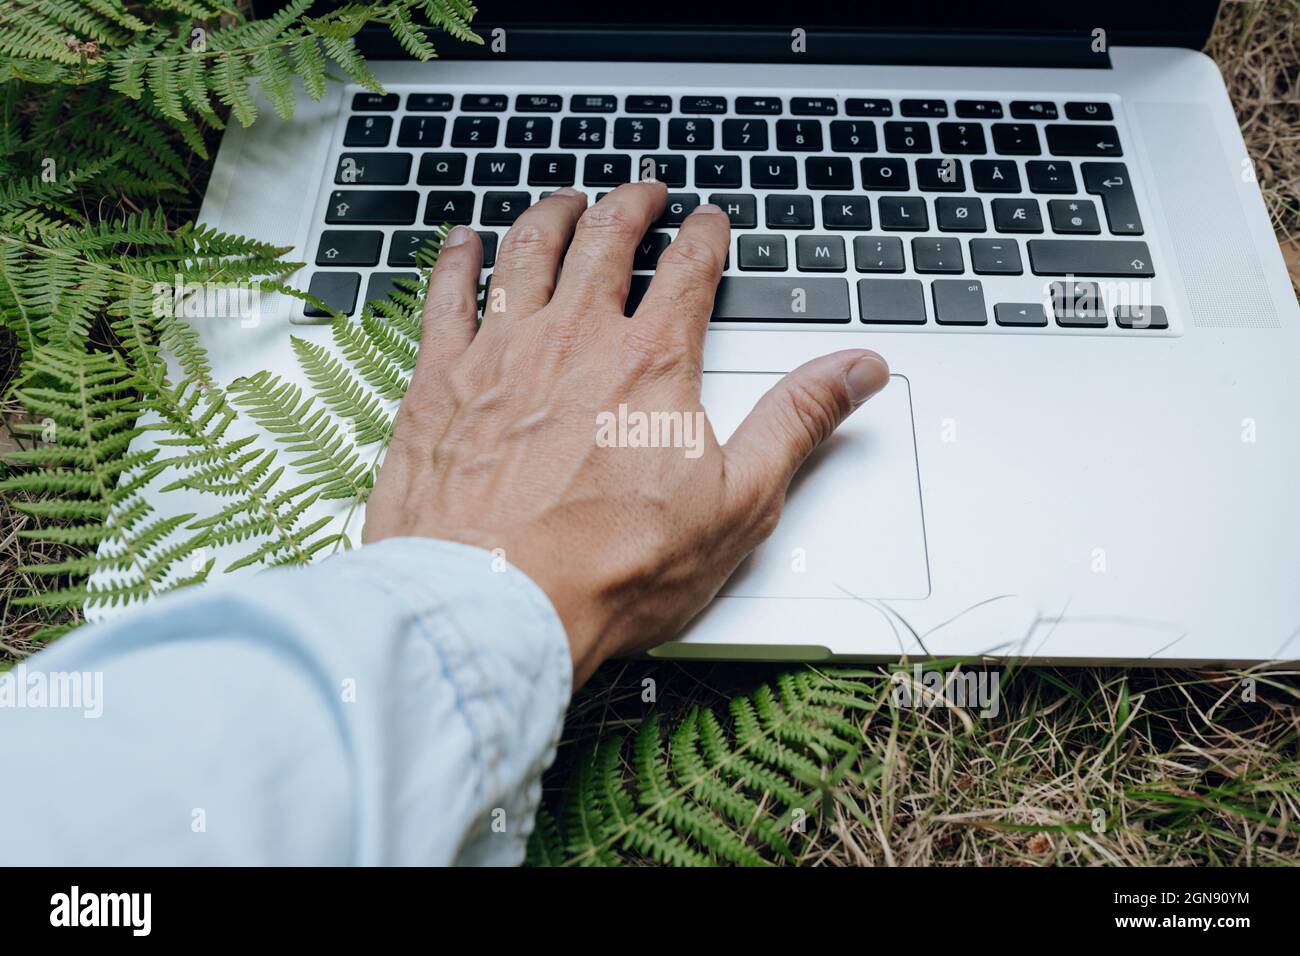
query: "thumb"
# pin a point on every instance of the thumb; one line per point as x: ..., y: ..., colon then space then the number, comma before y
x: 795, y: 416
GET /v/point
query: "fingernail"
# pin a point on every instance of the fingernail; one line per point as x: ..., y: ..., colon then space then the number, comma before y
x: 709, y: 209
x: 566, y: 191
x: 865, y: 377
x: 457, y: 237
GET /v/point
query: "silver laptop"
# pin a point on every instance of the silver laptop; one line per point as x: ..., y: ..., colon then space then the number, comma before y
x: 1042, y: 214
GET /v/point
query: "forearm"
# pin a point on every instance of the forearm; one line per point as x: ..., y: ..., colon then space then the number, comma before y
x: 386, y: 706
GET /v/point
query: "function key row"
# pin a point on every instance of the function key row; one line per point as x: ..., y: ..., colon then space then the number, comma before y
x: 744, y: 105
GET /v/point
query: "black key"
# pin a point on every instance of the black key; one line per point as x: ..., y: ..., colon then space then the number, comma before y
x: 453, y: 207
x: 959, y: 214
x: 923, y: 108
x: 903, y: 213
x: 846, y: 212
x: 425, y: 132
x: 853, y: 136
x: 1015, y: 139
x: 538, y: 103
x: 820, y: 254
x: 812, y: 106
x: 1078, y: 216
x: 828, y: 172
x: 789, y: 212
x: 717, y: 172
x: 607, y: 169
x: 1033, y: 109
x: 860, y: 107
x: 773, y: 172
x: 592, y: 103
x: 669, y: 170
x: 489, y: 240
x: 1050, y: 176
x: 878, y: 255
x: 1017, y: 215
x: 370, y: 102
x: 502, y: 209
x: 1065, y: 139
x: 483, y: 103
x: 441, y: 169
x: 690, y: 134
x: 338, y: 290
x: 528, y: 132
x: 349, y: 247
x: 786, y: 299
x: 758, y: 105
x: 799, y: 135
x: 891, y: 301
x: 496, y: 169
x: 1141, y: 317
x: 937, y: 255
x: 1078, y: 305
x: 961, y: 138
x: 372, y: 207
x: 940, y: 175
x: 744, y: 134
x: 428, y: 102
x: 648, y: 104
x: 704, y: 104
x: 1088, y: 111
x: 995, y: 175
x: 1090, y: 257
x: 405, y: 245
x: 907, y: 137
x: 1111, y: 182
x: 761, y: 253
x: 1020, y: 314
x: 580, y: 132
x: 883, y: 174
x: 636, y: 133
x: 551, y: 169
x: 382, y: 284
x: 996, y: 257
x: 475, y: 131
x: 741, y: 208
x: 677, y: 207
x: 959, y: 302
x: 368, y: 131
x: 373, y: 169
x: 979, y: 109
x: 649, y: 249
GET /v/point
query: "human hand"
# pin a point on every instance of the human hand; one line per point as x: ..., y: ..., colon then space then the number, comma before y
x: 496, y: 442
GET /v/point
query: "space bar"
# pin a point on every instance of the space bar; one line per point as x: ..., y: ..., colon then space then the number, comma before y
x: 781, y: 299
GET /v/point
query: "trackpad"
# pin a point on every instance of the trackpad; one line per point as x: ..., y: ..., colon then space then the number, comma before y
x: 852, y: 525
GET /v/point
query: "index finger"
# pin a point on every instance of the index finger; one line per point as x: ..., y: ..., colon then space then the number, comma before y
x: 679, y: 301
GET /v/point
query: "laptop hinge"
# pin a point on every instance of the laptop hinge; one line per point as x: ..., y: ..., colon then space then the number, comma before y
x: 1074, y: 51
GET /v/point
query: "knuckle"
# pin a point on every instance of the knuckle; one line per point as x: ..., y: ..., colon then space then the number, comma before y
x: 692, y: 255
x: 813, y: 413
x: 527, y: 238
x: 447, y: 301
x: 647, y: 353
x: 613, y: 219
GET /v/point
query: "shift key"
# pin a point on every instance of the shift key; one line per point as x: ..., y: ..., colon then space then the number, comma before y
x: 372, y: 207
x: 1090, y: 257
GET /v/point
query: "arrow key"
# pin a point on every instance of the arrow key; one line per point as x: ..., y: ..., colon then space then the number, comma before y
x: 349, y: 247
x: 1020, y: 314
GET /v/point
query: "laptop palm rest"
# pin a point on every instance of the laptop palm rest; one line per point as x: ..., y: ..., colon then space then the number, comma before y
x: 852, y: 526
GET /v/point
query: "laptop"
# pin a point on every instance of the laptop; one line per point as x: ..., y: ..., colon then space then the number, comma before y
x: 1041, y: 213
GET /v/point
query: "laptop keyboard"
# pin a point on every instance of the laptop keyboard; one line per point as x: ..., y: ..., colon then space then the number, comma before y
x: 850, y: 211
